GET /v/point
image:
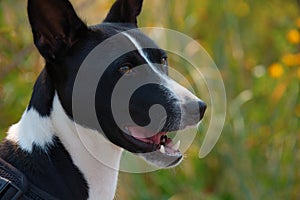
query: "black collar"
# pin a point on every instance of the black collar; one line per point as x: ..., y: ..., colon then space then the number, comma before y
x: 15, y: 186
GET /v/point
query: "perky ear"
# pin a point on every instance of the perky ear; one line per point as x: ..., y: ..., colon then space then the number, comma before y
x: 124, y: 11
x: 55, y: 27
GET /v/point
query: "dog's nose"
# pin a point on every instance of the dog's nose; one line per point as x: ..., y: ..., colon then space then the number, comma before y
x: 202, y: 109
x: 195, y: 110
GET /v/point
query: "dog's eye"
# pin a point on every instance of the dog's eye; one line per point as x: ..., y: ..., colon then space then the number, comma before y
x: 164, y: 62
x: 125, y: 69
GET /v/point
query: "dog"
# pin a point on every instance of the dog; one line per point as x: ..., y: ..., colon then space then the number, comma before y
x: 42, y: 157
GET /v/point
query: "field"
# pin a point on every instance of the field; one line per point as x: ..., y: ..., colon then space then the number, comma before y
x: 256, y: 46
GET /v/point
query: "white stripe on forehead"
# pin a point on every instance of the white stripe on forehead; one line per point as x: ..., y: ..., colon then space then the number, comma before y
x: 140, y: 50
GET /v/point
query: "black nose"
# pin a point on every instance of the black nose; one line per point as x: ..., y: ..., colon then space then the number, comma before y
x: 202, y: 109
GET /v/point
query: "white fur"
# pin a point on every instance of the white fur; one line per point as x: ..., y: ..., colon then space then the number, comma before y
x: 182, y: 93
x: 31, y: 129
x: 141, y: 52
x: 102, y: 180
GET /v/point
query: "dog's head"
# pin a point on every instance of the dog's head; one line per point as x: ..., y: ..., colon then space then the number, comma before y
x: 65, y: 41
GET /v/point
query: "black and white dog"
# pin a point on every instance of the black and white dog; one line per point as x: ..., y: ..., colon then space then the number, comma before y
x: 43, y: 145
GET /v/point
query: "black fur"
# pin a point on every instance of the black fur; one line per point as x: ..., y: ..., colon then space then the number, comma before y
x: 54, y: 39
x: 42, y: 96
x: 125, y: 11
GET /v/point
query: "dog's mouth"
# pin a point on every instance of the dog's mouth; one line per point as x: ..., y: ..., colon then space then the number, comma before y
x: 156, y: 147
x: 159, y: 141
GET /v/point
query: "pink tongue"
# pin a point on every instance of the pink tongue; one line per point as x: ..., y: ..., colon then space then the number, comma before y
x: 144, y: 134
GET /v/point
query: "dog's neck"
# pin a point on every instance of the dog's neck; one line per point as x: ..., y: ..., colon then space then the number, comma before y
x: 96, y: 158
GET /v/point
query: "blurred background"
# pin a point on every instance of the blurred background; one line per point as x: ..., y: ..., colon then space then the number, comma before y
x: 256, y: 46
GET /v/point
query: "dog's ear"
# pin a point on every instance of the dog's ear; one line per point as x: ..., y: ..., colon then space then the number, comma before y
x: 125, y: 11
x: 55, y: 27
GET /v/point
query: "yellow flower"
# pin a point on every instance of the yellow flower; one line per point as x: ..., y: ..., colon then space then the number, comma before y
x: 291, y: 59
x: 276, y: 70
x: 293, y: 36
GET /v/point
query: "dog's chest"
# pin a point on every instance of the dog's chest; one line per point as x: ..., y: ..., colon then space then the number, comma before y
x: 52, y: 172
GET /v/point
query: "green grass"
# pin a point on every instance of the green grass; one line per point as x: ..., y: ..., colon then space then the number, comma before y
x: 257, y: 156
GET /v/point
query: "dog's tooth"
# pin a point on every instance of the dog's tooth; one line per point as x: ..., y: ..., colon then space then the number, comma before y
x: 176, y: 146
x: 126, y: 129
x: 162, y: 149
